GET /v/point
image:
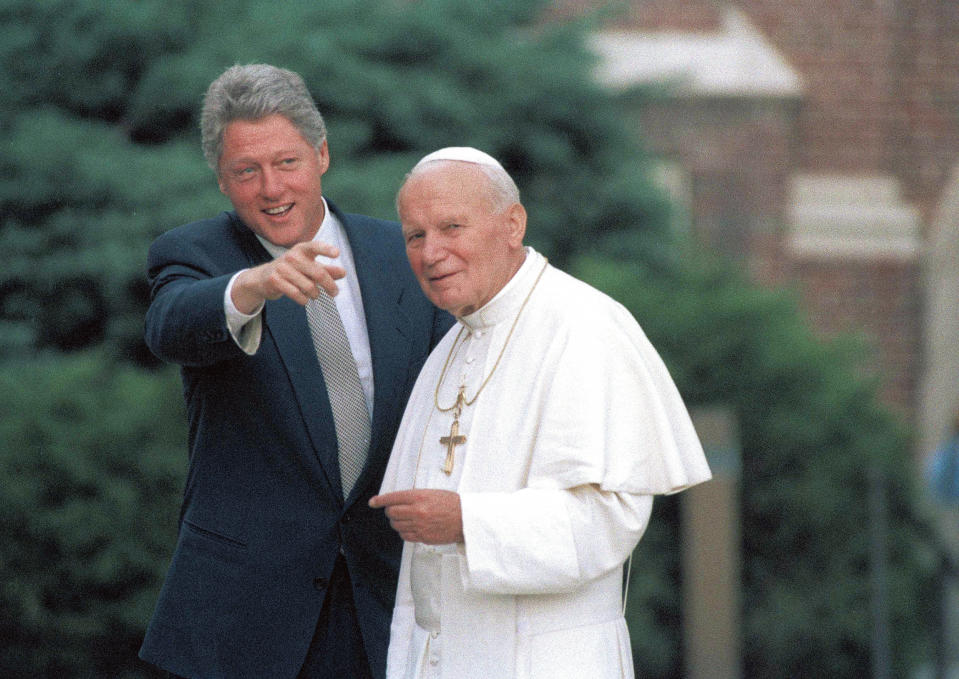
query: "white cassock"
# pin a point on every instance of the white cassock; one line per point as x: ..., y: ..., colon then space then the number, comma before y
x: 576, y: 430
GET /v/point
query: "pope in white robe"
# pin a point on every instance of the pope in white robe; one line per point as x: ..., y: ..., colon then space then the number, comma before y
x: 540, y: 429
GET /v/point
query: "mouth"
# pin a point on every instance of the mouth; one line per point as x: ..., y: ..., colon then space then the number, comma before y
x: 278, y: 211
x: 439, y: 278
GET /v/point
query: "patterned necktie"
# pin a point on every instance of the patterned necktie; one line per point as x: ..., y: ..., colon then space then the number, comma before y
x: 350, y: 416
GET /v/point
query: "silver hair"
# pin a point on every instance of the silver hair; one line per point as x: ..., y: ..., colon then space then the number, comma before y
x: 502, y: 190
x: 252, y: 92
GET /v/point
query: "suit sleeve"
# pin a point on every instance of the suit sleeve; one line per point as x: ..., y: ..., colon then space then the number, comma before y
x: 186, y: 321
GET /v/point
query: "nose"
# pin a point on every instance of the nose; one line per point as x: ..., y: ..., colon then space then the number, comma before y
x: 270, y: 185
x: 433, y: 250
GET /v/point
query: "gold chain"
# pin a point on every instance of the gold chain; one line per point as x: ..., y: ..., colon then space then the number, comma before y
x: 461, y: 400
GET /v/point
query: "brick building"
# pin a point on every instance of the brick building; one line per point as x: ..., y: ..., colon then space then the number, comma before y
x: 818, y: 141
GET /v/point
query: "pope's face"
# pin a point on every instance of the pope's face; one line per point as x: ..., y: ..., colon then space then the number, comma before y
x: 271, y: 174
x: 461, y: 252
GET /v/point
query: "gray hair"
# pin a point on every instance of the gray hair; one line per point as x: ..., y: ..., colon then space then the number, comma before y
x: 253, y: 92
x: 502, y: 190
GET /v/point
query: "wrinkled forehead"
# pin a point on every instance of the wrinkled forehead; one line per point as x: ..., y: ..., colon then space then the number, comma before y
x: 445, y: 181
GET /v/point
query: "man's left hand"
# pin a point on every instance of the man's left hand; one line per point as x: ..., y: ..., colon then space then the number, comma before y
x: 430, y: 516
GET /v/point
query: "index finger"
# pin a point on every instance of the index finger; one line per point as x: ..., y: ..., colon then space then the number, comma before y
x: 399, y: 497
x: 325, y: 272
x: 315, y: 248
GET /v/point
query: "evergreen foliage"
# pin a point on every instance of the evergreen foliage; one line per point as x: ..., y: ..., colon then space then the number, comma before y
x: 103, y: 143
x: 101, y: 154
x: 87, y: 511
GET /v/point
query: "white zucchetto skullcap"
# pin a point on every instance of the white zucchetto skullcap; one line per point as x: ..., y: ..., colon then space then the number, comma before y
x: 465, y: 154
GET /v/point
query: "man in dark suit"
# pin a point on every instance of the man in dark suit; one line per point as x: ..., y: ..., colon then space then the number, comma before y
x: 281, y: 570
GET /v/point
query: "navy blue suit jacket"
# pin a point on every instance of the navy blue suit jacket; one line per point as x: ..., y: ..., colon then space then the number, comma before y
x: 263, y: 519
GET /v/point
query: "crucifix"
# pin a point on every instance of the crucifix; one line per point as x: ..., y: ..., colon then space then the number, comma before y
x: 455, y: 438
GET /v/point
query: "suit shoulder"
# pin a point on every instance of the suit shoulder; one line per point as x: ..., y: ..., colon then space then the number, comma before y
x: 374, y: 225
x: 222, y: 226
x: 378, y: 238
x: 215, y: 245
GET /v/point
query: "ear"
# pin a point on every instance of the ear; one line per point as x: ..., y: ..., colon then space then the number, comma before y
x: 323, y: 156
x: 516, y: 224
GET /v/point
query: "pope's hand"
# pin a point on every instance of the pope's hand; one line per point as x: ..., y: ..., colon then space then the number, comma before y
x: 430, y: 516
x: 295, y: 274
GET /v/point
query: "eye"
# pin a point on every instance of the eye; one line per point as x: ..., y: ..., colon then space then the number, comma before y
x: 413, y: 236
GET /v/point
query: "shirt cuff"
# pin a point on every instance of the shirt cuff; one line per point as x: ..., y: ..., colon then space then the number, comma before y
x: 246, y: 329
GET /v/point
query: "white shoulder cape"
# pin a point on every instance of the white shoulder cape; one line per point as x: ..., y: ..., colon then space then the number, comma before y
x: 580, y: 397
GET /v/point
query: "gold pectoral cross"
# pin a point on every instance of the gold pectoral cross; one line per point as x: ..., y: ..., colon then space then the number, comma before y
x: 455, y: 438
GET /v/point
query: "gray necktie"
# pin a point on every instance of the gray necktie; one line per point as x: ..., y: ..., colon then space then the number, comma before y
x: 350, y: 416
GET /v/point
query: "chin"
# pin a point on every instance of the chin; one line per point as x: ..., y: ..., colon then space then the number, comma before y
x: 282, y: 237
x: 458, y: 310
x: 448, y: 308
x: 447, y: 304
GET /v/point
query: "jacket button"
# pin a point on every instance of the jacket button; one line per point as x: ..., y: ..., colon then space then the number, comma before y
x: 320, y: 583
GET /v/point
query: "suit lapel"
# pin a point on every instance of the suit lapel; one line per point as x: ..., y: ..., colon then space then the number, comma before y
x: 285, y: 321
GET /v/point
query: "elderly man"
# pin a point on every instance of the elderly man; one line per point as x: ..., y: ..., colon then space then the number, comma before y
x: 300, y: 331
x: 534, y: 441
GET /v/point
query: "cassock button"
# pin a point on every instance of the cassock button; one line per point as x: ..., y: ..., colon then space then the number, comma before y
x: 320, y: 583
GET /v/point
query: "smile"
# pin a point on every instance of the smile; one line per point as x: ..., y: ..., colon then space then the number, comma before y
x: 438, y: 278
x: 279, y: 211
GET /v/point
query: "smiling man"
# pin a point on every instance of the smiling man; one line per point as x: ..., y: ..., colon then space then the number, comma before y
x: 299, y: 330
x: 534, y: 441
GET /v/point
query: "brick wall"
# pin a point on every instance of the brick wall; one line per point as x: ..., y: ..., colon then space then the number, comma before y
x: 737, y: 155
x: 923, y: 143
x: 881, y: 102
x: 842, y: 49
x: 878, y: 301
x: 882, y: 97
x: 882, y: 86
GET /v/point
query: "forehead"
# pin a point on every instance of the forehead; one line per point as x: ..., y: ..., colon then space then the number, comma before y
x: 449, y: 189
x: 264, y: 134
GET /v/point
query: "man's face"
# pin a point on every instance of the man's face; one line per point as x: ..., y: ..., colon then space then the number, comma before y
x: 460, y: 251
x: 271, y: 174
